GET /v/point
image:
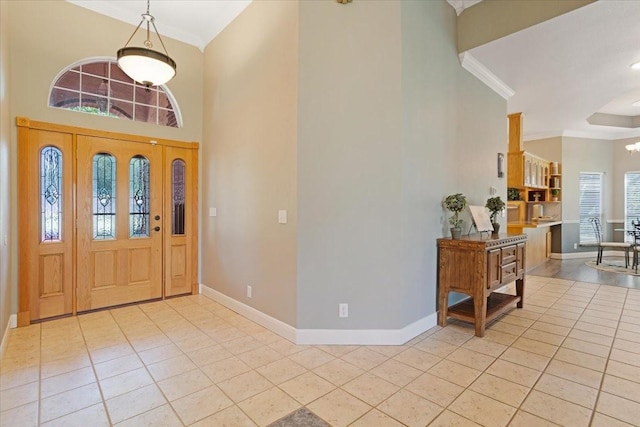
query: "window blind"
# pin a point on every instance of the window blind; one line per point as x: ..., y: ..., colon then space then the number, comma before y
x: 631, y: 200
x: 590, y: 204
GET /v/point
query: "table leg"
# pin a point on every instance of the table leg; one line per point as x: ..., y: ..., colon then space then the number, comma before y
x: 443, y: 305
x: 480, y: 312
x: 520, y: 291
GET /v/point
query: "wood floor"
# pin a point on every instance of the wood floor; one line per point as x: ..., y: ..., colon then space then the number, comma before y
x: 575, y: 269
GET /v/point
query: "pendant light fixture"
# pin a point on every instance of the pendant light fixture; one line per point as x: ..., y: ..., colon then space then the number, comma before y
x: 144, y: 65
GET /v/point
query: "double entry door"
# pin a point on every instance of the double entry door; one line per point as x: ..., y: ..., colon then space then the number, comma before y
x: 106, y: 221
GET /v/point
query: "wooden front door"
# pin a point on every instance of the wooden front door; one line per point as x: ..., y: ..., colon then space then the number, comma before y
x: 119, y: 222
x: 46, y: 224
x: 180, y: 201
x: 104, y: 219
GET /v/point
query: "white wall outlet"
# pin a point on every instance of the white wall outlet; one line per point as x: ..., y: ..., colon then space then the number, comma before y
x: 343, y: 310
x: 249, y: 292
x: 213, y: 212
x: 282, y: 217
x: 493, y: 191
x: 575, y: 246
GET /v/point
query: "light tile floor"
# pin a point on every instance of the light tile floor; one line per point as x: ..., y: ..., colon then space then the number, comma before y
x: 570, y: 357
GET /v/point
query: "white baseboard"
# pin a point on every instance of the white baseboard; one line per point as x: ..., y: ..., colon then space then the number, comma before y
x: 367, y: 336
x: 578, y: 255
x: 13, y: 322
x: 325, y: 336
x: 273, y: 324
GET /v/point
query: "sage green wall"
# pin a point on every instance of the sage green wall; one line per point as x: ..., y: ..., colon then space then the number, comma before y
x: 389, y: 123
x: 6, y: 290
x: 46, y: 37
x: 350, y: 165
x: 249, y: 158
x: 584, y: 155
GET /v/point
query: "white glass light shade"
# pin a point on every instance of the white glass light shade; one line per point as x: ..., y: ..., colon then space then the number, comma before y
x: 146, y: 66
x: 634, y: 148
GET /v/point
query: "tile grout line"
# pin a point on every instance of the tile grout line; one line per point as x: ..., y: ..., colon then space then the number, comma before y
x: 604, y: 372
x: 95, y: 373
x: 519, y: 408
x: 146, y: 368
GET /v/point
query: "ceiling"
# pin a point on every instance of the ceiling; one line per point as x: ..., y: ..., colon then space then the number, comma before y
x: 195, y: 22
x: 564, y: 73
x: 571, y: 75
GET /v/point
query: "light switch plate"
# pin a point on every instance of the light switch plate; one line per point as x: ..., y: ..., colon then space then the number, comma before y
x: 282, y: 217
x: 213, y: 212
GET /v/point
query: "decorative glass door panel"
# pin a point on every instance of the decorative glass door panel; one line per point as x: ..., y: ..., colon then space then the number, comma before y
x: 104, y: 196
x: 119, y: 238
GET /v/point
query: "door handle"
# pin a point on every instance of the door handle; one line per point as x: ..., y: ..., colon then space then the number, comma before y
x: 156, y: 228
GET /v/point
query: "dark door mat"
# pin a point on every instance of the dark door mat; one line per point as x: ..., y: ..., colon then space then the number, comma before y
x: 300, y: 418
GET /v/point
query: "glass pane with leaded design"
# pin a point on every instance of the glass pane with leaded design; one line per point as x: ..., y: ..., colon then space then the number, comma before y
x: 101, y: 88
x: 139, y: 192
x: 177, y: 196
x: 104, y: 196
x: 50, y: 194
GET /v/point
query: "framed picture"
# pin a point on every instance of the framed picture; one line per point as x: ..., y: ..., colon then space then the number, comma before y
x: 481, y: 218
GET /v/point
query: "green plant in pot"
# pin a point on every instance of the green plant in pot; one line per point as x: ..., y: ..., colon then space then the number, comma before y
x: 456, y: 204
x: 495, y: 206
x: 554, y: 194
x: 513, y: 194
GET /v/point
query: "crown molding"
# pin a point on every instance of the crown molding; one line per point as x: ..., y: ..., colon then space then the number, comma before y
x: 483, y: 74
x: 461, y: 5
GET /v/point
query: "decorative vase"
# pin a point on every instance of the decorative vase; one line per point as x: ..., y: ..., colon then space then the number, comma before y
x: 496, y: 227
x: 455, y: 232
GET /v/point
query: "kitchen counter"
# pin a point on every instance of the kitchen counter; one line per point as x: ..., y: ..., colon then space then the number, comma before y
x: 538, y: 242
x: 534, y: 224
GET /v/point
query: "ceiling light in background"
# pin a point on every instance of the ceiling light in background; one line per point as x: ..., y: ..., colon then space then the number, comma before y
x: 144, y: 65
x: 636, y: 65
x: 636, y: 104
x: 633, y: 148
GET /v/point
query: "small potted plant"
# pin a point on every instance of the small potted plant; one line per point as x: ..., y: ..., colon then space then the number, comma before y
x: 456, y: 204
x: 495, y: 206
x: 554, y: 194
x: 513, y: 194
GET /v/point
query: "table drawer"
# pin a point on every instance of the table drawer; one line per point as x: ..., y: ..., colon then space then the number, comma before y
x: 509, y: 254
x: 508, y: 273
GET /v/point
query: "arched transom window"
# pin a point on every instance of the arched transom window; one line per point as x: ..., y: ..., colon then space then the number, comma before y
x: 101, y: 87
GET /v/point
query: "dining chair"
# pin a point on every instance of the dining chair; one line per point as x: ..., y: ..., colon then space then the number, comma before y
x: 635, y: 232
x: 626, y: 246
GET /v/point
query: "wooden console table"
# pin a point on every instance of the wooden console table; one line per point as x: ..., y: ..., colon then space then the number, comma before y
x: 477, y: 265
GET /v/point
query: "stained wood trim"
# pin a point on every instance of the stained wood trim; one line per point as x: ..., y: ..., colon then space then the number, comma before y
x: 515, y: 132
x: 31, y: 124
x: 26, y: 176
x: 194, y: 222
x: 24, y: 288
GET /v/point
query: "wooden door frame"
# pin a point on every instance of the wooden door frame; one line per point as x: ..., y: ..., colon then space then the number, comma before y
x: 24, y: 126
